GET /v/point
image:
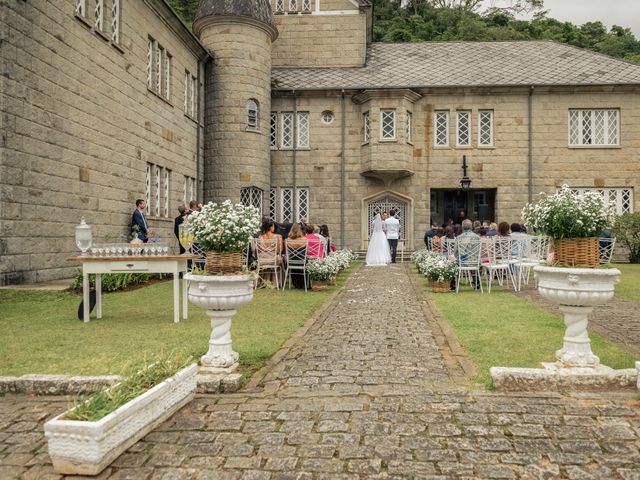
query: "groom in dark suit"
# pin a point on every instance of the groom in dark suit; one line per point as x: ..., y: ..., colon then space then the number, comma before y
x: 138, y: 218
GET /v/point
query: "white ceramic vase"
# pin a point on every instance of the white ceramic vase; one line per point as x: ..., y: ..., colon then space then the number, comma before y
x: 577, y: 291
x: 220, y: 296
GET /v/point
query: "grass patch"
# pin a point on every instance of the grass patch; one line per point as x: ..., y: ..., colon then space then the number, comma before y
x: 47, y: 338
x: 500, y: 329
x: 629, y: 286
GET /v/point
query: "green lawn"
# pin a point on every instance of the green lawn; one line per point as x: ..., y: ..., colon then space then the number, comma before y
x: 629, y: 286
x: 41, y: 332
x: 500, y: 329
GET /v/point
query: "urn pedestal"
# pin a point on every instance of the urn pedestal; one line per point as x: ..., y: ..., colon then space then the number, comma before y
x: 220, y: 296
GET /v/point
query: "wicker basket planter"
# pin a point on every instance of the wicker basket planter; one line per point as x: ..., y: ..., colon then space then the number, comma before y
x: 577, y: 252
x: 440, y: 287
x: 332, y: 281
x: 224, y: 263
x: 86, y: 448
x: 319, y: 285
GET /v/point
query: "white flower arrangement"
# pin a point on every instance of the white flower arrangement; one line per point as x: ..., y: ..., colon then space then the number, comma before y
x: 323, y: 268
x: 434, y: 266
x: 568, y: 214
x: 343, y: 258
x: 223, y: 227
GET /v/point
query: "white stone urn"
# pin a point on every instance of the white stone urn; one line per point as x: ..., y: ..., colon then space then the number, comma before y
x: 220, y: 296
x: 577, y: 291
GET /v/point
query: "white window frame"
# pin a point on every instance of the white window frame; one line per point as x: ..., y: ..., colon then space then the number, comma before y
x: 436, y: 125
x: 273, y: 205
x: 409, y: 127
x: 280, y: 6
x: 578, y: 116
x: 166, y: 191
x: 273, y: 130
x: 147, y: 193
x: 253, y: 114
x: 168, y: 61
x: 482, y: 126
x: 252, y: 196
x: 115, y: 21
x: 286, y: 203
x: 302, y: 204
x: 99, y: 16
x: 159, y: 55
x: 303, y: 130
x: 460, y: 115
x: 156, y: 206
x: 286, y: 130
x: 192, y: 188
x: 81, y: 8
x: 150, y: 63
x: 293, y: 6
x: 620, y: 198
x: 366, y: 127
x: 306, y: 5
x: 184, y: 190
x: 384, y: 136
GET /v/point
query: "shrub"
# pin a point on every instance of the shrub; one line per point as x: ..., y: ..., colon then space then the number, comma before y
x: 626, y: 229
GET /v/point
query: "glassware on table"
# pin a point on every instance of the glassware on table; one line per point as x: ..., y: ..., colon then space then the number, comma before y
x: 186, y: 239
x: 84, y: 237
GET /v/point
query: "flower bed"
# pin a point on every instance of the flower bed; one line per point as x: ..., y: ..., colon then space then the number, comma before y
x: 434, y: 266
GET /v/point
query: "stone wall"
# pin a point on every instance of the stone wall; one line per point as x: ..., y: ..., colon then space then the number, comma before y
x: 79, y: 126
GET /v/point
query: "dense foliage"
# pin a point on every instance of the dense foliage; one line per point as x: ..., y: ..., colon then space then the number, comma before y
x: 626, y: 230
x: 450, y: 20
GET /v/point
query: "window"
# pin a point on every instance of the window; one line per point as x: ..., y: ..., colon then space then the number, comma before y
x: 158, y: 190
x: 409, y: 127
x: 463, y: 136
x: 167, y: 189
x: 306, y: 5
x: 99, y: 15
x: 327, y: 117
x: 286, y: 139
x: 366, y: 123
x: 252, y: 114
x: 303, y: 201
x: 81, y: 8
x: 485, y: 128
x: 387, y: 124
x: 286, y: 205
x: 115, y: 22
x: 593, y: 127
x: 189, y: 191
x: 441, y: 129
x: 273, y: 130
x: 147, y: 192
x: 158, y: 69
x: 303, y: 130
x: 279, y: 6
x: 190, y: 94
x: 251, y: 197
x: 156, y: 204
x: 619, y: 199
x: 273, y: 207
x: 293, y: 5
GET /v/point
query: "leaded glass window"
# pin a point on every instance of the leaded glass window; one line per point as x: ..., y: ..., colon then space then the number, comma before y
x: 293, y: 5
x: 81, y: 6
x: 150, y: 57
x: 252, y: 114
x: 166, y: 190
x: 251, y: 197
x: 441, y: 129
x: 147, y: 192
x: 286, y: 204
x: 485, y: 127
x: 409, y: 127
x: 463, y: 130
x: 167, y: 75
x: 620, y: 200
x: 286, y: 140
x: 279, y: 5
x: 99, y: 15
x: 366, y: 124
x: 387, y: 124
x: 273, y: 130
x: 594, y: 127
x: 306, y: 5
x: 115, y: 21
x: 193, y: 194
x: 185, y: 190
x: 156, y: 205
x: 303, y: 130
x: 303, y: 202
x: 273, y: 195
x: 158, y: 68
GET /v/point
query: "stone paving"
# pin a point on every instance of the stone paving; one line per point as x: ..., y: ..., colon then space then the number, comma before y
x: 369, y: 391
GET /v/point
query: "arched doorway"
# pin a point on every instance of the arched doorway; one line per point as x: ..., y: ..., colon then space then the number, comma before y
x: 385, y: 202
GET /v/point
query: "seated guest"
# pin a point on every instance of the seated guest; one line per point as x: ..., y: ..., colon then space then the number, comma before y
x: 267, y: 232
x: 324, y: 231
x: 316, y: 248
x: 297, y: 240
x: 436, y: 241
x: 429, y: 235
x: 503, y: 229
x: 492, y: 231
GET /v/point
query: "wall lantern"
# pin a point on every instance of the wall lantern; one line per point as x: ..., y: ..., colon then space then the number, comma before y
x: 465, y: 181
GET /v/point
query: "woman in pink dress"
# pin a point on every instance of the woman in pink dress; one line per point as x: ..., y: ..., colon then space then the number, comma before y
x: 316, y: 246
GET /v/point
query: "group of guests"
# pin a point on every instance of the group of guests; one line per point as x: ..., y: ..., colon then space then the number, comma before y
x: 433, y: 237
x: 295, y: 236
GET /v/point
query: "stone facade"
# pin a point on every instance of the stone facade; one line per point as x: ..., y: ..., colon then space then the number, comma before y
x: 79, y: 127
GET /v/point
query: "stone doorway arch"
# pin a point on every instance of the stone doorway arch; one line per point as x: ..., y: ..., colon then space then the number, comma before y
x: 386, y: 201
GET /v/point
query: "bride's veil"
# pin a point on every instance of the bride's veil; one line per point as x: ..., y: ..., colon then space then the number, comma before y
x: 377, y: 223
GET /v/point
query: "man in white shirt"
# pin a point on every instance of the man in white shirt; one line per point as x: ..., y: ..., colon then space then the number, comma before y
x: 393, y: 234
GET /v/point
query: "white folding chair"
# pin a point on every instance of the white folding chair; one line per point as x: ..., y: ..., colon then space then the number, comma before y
x: 448, y: 247
x: 499, y: 255
x: 296, y: 262
x: 202, y: 256
x: 468, y: 251
x: 606, y: 246
x: 268, y: 258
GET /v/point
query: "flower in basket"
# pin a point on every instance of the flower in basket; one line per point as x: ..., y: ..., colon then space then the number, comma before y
x: 224, y: 229
x: 570, y: 215
x: 322, y: 269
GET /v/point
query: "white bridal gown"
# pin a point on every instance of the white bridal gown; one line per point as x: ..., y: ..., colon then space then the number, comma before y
x: 378, y: 253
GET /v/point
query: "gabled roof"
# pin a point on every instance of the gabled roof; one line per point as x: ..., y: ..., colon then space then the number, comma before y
x: 465, y: 64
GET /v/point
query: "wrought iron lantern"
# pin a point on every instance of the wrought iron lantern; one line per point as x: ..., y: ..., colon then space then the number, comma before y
x: 465, y: 181
x: 84, y: 237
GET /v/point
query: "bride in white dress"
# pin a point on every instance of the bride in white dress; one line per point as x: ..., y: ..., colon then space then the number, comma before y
x: 378, y: 253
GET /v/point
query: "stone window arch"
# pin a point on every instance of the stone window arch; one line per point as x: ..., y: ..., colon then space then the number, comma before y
x: 253, y: 114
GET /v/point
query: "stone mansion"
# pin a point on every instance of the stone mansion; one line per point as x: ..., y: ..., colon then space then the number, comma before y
x: 287, y: 105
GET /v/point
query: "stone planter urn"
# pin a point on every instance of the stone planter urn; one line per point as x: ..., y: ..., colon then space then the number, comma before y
x: 220, y: 296
x: 577, y: 291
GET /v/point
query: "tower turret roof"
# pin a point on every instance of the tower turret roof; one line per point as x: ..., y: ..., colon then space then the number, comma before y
x: 254, y: 10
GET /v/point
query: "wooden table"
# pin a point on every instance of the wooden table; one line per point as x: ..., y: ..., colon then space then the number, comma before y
x: 175, y: 264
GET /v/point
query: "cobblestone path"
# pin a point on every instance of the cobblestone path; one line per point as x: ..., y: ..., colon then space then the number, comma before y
x: 618, y: 320
x: 366, y: 392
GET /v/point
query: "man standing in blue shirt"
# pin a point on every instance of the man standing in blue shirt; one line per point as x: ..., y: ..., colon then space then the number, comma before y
x: 138, y: 219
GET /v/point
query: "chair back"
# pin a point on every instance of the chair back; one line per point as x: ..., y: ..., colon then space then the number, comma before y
x: 428, y: 242
x: 448, y: 246
x: 297, y: 255
x: 502, y: 249
x: 539, y: 246
x: 520, y: 247
x: 606, y: 246
x: 468, y: 250
x: 267, y: 251
x: 487, y: 250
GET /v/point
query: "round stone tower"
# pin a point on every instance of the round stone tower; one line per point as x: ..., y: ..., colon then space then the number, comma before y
x: 238, y: 82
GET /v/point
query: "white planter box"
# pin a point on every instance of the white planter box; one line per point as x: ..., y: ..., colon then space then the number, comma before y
x: 87, y: 448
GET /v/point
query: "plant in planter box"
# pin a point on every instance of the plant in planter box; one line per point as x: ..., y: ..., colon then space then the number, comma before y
x: 320, y: 270
x: 87, y: 438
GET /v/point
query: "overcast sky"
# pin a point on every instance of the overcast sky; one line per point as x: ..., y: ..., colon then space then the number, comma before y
x: 625, y: 13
